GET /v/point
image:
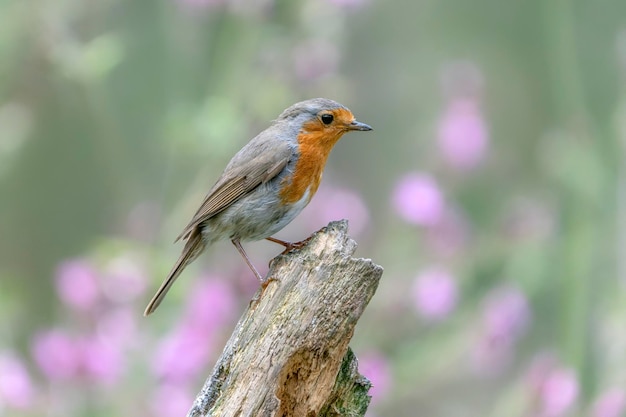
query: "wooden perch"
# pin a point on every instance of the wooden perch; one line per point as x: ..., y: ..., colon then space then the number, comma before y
x: 289, y: 355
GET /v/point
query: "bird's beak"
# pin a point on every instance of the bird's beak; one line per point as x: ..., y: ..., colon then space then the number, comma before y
x: 359, y: 126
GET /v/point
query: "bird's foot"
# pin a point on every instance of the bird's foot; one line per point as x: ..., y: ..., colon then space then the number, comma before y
x: 267, y: 281
x: 264, y: 283
x: 290, y: 246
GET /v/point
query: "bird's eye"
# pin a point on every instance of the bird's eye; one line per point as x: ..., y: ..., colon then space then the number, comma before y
x: 327, y: 118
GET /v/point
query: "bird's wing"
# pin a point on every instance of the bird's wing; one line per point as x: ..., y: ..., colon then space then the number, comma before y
x: 258, y: 162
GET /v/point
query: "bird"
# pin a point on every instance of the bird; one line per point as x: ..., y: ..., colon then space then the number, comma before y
x: 266, y: 184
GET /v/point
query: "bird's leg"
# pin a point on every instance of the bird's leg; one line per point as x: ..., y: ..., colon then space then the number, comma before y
x: 264, y: 282
x: 289, y: 246
x: 242, y: 252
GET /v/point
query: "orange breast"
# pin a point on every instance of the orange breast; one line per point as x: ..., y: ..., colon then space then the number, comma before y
x: 314, y: 145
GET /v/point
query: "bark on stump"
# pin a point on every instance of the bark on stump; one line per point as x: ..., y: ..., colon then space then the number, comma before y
x: 289, y: 355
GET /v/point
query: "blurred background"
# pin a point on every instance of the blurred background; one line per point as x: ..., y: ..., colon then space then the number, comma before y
x: 491, y: 190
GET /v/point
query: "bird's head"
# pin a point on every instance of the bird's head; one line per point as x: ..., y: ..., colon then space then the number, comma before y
x: 321, y: 121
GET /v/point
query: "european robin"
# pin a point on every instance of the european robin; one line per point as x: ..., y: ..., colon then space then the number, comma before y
x: 266, y: 184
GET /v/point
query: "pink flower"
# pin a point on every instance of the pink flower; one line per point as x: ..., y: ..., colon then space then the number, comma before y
x: 434, y: 293
x: 56, y: 354
x: 172, y: 400
x: 559, y: 392
x: 212, y: 304
x: 77, y: 284
x: 506, y: 316
x: 62, y: 357
x: 16, y: 386
x: 186, y: 351
x: 182, y: 354
x: 418, y: 199
x: 611, y: 403
x: 375, y: 367
x: 100, y: 361
x: 462, y: 135
x: 555, y: 386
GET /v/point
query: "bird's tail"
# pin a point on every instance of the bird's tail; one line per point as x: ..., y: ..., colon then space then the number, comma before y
x: 193, y: 248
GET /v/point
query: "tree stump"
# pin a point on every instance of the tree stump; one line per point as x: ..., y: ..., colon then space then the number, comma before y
x: 288, y: 355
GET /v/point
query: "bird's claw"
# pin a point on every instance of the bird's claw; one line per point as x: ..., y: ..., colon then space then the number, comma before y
x: 264, y: 283
x: 291, y: 246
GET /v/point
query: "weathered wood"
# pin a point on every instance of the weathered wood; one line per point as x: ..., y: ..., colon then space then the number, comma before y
x: 288, y: 355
